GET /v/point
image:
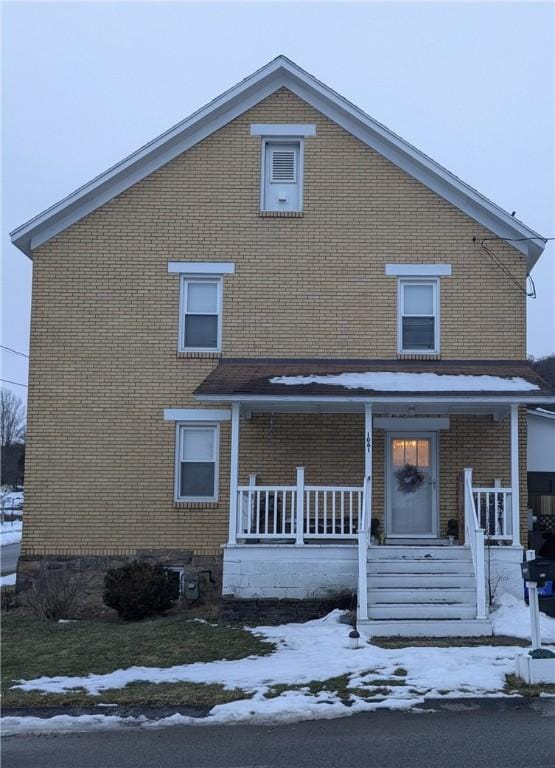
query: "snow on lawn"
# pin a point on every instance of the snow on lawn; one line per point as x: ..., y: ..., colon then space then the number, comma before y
x: 10, y: 533
x: 512, y: 617
x: 413, y: 382
x: 315, y: 650
x: 7, y: 581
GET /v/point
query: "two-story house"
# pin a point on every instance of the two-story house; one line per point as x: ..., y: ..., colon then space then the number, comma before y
x: 281, y: 343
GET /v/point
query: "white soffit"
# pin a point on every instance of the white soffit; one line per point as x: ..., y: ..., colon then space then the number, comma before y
x: 418, y: 270
x: 279, y: 73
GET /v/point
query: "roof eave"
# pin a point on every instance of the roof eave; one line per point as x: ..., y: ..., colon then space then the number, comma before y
x: 493, y: 399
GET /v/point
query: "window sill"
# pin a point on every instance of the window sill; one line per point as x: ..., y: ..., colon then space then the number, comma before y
x: 199, y: 355
x: 418, y: 355
x: 195, y: 504
x: 281, y: 214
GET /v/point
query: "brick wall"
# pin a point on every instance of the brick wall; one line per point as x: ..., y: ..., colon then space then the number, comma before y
x: 100, y: 458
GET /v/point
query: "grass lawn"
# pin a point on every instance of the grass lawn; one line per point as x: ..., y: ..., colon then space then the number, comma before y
x: 33, y: 648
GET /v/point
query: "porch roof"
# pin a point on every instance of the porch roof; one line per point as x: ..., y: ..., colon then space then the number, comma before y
x: 304, y: 380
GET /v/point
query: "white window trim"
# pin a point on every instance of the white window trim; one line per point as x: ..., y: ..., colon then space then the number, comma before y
x: 418, y: 270
x: 177, y: 464
x: 197, y: 278
x: 436, y: 298
x: 300, y: 170
x: 202, y: 267
x: 294, y: 130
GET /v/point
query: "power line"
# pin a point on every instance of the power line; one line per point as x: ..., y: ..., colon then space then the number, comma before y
x: 18, y: 383
x: 14, y: 351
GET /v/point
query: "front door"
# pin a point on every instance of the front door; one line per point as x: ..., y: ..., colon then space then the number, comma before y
x: 411, y: 485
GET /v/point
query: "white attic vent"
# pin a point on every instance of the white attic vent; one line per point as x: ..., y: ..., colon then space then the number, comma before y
x: 282, y: 176
x: 284, y: 166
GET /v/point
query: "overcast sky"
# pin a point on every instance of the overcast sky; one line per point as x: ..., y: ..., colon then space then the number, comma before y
x: 470, y: 84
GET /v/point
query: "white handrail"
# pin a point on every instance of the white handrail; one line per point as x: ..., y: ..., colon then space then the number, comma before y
x: 474, y: 537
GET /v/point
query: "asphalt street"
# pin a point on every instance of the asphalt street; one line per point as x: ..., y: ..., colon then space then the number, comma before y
x: 9, y: 555
x: 484, y: 734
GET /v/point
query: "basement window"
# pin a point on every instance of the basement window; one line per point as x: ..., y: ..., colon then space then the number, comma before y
x: 418, y: 319
x: 282, y: 175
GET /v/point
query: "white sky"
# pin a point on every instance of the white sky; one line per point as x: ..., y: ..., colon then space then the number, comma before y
x: 471, y: 84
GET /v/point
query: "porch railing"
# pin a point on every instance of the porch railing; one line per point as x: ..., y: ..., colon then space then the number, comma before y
x: 299, y: 512
x: 494, y: 510
x: 474, y: 537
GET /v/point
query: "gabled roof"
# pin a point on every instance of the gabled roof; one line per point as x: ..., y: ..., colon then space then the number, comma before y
x: 281, y: 72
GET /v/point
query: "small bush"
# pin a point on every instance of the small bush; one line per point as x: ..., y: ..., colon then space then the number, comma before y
x: 138, y: 589
x: 54, y: 593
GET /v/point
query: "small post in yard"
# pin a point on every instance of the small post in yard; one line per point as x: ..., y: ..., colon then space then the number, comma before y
x: 532, y: 587
x: 299, y: 528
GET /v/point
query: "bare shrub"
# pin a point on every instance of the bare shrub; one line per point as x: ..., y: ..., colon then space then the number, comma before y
x: 54, y: 594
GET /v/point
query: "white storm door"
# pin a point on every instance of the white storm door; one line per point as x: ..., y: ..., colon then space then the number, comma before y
x: 411, y: 485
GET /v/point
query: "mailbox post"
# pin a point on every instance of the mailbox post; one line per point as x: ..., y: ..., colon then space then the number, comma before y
x: 533, y: 602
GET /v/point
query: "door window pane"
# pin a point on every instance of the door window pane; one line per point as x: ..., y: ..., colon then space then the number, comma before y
x: 202, y: 298
x: 419, y: 300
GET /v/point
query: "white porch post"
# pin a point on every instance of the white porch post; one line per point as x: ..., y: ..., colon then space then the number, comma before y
x: 515, y: 477
x: 365, y: 522
x: 234, y: 471
x: 299, y: 511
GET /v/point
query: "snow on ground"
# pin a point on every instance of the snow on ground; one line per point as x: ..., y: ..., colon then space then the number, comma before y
x: 10, y: 533
x: 7, y: 581
x: 512, y: 617
x: 315, y: 650
x: 383, y: 381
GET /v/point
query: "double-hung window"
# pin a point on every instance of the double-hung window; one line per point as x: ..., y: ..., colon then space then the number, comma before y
x: 201, y: 311
x: 419, y: 316
x: 197, y: 449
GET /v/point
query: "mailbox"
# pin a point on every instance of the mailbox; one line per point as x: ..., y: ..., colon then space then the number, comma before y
x: 539, y: 570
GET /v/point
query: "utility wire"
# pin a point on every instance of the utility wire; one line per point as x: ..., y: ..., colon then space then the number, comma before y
x: 18, y: 383
x: 14, y: 351
x: 531, y: 293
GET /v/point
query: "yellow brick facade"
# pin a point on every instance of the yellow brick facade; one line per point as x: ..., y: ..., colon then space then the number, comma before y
x: 104, y: 365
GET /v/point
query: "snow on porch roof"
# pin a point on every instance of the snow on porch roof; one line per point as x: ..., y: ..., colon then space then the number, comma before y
x: 267, y: 378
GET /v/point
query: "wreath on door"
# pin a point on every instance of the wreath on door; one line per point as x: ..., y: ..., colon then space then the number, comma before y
x: 409, y: 478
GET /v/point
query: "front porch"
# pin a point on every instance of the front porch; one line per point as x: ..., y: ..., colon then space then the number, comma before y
x: 332, y: 460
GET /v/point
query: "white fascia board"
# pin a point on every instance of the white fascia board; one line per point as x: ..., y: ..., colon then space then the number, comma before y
x: 283, y: 129
x: 411, y: 423
x: 281, y: 72
x: 202, y: 267
x: 409, y: 398
x: 197, y: 414
x: 418, y: 270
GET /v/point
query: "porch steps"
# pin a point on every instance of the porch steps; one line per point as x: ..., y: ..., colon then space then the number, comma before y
x: 422, y: 590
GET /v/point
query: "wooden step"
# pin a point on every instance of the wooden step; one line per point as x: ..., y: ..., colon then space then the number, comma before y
x: 422, y: 611
x: 432, y: 628
x: 400, y: 567
x: 421, y: 596
x: 418, y: 553
x: 416, y: 580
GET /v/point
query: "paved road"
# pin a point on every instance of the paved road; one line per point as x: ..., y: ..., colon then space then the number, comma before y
x: 470, y: 735
x: 9, y: 555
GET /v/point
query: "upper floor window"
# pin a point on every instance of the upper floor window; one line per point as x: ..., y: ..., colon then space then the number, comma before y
x: 282, y: 175
x: 200, y: 314
x: 419, y: 316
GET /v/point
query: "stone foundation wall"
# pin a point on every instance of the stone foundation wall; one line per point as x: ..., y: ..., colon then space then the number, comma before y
x: 90, y: 571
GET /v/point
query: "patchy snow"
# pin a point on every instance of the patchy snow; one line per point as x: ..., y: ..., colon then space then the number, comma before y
x: 512, y: 617
x: 413, y: 382
x: 10, y: 533
x: 318, y: 650
x: 7, y: 581
x: 315, y: 650
x: 11, y: 499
